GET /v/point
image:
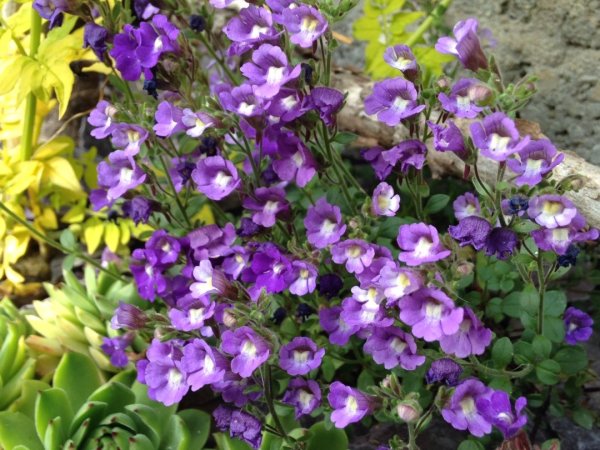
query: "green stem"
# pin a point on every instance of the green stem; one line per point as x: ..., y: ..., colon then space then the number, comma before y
x: 175, y: 194
x: 412, y: 438
x: 438, y: 11
x: 497, y: 372
x: 271, y: 404
x: 35, y: 34
x: 541, y: 291
x: 220, y: 61
x: 336, y: 169
x: 57, y: 245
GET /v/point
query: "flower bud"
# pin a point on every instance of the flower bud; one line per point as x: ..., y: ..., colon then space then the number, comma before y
x: 229, y: 319
x: 409, y: 410
x: 465, y: 268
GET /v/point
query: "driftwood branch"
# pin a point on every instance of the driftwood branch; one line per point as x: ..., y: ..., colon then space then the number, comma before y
x: 371, y: 133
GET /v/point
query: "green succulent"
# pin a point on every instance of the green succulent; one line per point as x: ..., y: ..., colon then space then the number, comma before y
x: 15, y: 364
x: 80, y: 412
x: 76, y: 316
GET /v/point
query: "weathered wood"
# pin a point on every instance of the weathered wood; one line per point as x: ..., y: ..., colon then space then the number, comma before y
x: 371, y: 133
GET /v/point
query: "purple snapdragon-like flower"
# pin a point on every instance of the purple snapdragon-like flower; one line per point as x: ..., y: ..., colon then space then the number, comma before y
x: 196, y: 123
x: 397, y: 282
x: 349, y: 405
x: 501, y: 242
x: 472, y: 338
x: 267, y: 204
x: 392, y: 347
x: 560, y: 239
x: 472, y: 230
x: 238, y: 261
x: 498, y: 411
x: 448, y: 138
x: 212, y: 241
x: 364, y: 308
x: 148, y: 277
x: 168, y: 120
x: 287, y: 105
x: 101, y: 118
x: 240, y: 424
x: 144, y: 9
x: 515, y: 206
x: 243, y: 101
x: 578, y: 326
x: 385, y: 201
x: 329, y: 285
x: 420, y: 243
x: 327, y: 102
x: 191, y: 313
x: 203, y: 364
x: 323, y: 224
x: 139, y: 209
x: 461, y: 410
x: 466, y: 205
x: 551, y: 211
x: 95, y: 37
x: 204, y: 274
x: 128, y: 317
x: 355, y: 253
x: 52, y: 10
x: 216, y: 177
x: 303, y: 395
x: 162, y: 249
x: 381, y: 167
x: 393, y: 100
x: 252, y: 25
x: 338, y: 329
x: 444, y: 370
x: 300, y: 356
x: 409, y: 153
x: 534, y: 161
x: 401, y: 57
x: 128, y: 139
x: 302, y: 278
x: 463, y: 98
x: 304, y: 23
x: 465, y: 45
x: 249, y: 350
x: 235, y: 389
x: 431, y: 313
x: 119, y: 177
x: 115, y: 349
x: 269, y: 70
x: 163, y: 374
x: 269, y: 270
x: 497, y: 137
x: 295, y: 161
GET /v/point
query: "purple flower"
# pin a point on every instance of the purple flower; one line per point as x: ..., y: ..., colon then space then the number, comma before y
x: 163, y: 374
x: 268, y: 205
x: 191, y: 313
x: 516, y: 205
x: 156, y: 37
x: 138, y: 209
x: 148, y: 278
x: 323, y: 224
x: 303, y: 395
x: 212, y: 241
x: 243, y: 101
x: 329, y: 285
x: 196, y: 123
x: 304, y: 23
x: 162, y: 249
x: 241, y: 425
x: 234, y: 264
x: 364, y: 309
x: 144, y: 9
x: 431, y: 313
x: 269, y: 269
x: 401, y: 57
x: 465, y: 46
x: 129, y: 317
x: 286, y: 106
x: 327, y: 102
x: 128, y: 139
x: 466, y: 205
x: 497, y: 137
x: 295, y: 163
x: 393, y: 100
x: 248, y: 349
x: 269, y: 70
x: 349, y: 405
x: 338, y: 329
x: 444, y: 371
x: 472, y: 338
x: 101, y: 118
x: 472, y: 230
x: 397, y: 282
x: 501, y: 242
x: 420, y: 244
x: 204, y: 276
x: 551, y: 211
x: 251, y: 26
x: 462, y: 101
x: 95, y: 37
x: 236, y: 390
x: 578, y: 326
x: 202, y: 364
x: 385, y: 201
x: 302, y: 279
x: 535, y: 160
x: 115, y: 348
x: 52, y: 10
x: 448, y: 138
x: 559, y: 239
x: 375, y: 157
x: 392, y: 347
x: 118, y: 177
x: 216, y: 177
x: 461, y: 410
x: 355, y: 253
x: 409, y: 153
x: 300, y: 356
x: 498, y: 410
x: 168, y: 120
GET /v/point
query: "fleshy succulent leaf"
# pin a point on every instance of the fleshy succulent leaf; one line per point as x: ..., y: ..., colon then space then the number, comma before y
x: 51, y: 404
x: 78, y: 376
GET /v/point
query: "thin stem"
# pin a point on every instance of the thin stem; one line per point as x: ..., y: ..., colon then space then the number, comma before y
x: 31, y: 102
x: 412, y: 438
x: 57, y: 245
x: 437, y: 12
x: 220, y: 61
x: 498, y: 372
x: 175, y: 195
x: 271, y: 404
x: 541, y: 291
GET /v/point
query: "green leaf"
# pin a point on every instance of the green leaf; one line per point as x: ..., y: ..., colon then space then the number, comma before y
x: 511, y: 305
x: 147, y: 421
x: 572, y: 359
x: 542, y: 347
x: 470, y: 445
x: 177, y: 435
x: 29, y: 393
x: 502, y: 352
x: 78, y: 376
x: 50, y: 404
x: 555, y: 303
x: 198, y: 422
x: 55, y: 434
x: 141, y: 442
x: 525, y: 226
x: 548, y: 372
x: 116, y: 396
x: 365, y: 379
x: 67, y: 240
x: 584, y: 418
x: 554, y: 329
x: 436, y: 203
x: 26, y: 435
x: 224, y: 442
x: 322, y: 438
x: 91, y: 413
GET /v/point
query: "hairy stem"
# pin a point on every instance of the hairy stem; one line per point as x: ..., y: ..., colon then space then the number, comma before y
x: 438, y: 11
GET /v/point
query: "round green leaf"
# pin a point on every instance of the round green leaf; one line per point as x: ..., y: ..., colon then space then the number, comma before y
x: 548, y: 372
x: 572, y: 359
x: 322, y: 438
x: 502, y: 352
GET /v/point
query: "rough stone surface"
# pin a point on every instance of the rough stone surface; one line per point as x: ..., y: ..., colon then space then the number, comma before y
x: 556, y: 40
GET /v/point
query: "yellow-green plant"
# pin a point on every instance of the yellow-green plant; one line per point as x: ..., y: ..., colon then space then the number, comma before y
x: 388, y: 22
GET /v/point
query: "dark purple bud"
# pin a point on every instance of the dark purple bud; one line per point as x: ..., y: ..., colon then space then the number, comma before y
x: 113, y: 216
x: 501, y: 242
x: 94, y: 37
x: 329, y: 285
x: 184, y: 170
x: 278, y: 316
x: 248, y: 228
x: 150, y: 87
x: 307, y: 73
x: 570, y: 257
x: 208, y: 146
x: 197, y: 23
x: 269, y: 176
x: 138, y: 209
x: 128, y: 317
x: 444, y: 371
x: 517, y: 204
x: 304, y: 311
